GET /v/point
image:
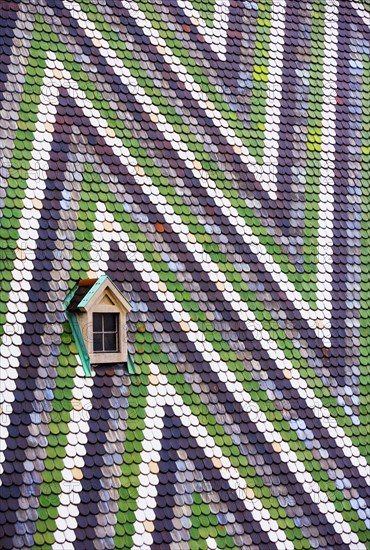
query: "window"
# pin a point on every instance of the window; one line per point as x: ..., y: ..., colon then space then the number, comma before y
x: 97, y: 311
x: 105, y: 332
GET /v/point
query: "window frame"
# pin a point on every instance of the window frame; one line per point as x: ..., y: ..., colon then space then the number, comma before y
x: 104, y: 332
x: 103, y: 356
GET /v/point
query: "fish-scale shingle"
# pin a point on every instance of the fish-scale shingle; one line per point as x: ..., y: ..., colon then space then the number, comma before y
x: 212, y: 158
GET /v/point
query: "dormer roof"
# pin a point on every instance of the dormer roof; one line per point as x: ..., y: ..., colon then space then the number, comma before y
x: 90, y: 291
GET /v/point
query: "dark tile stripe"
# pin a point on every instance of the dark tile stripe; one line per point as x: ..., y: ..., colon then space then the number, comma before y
x: 292, y: 143
x: 174, y: 437
x: 94, y: 460
x: 8, y: 20
x: 342, y: 252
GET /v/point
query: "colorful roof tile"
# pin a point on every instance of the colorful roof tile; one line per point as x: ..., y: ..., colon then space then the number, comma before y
x: 212, y: 158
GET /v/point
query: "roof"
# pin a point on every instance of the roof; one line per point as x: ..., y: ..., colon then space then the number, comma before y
x: 212, y: 159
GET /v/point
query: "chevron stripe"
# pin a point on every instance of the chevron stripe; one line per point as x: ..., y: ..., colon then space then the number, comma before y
x: 266, y: 180
x: 179, y: 181
x: 23, y: 265
x: 236, y: 388
x: 253, y: 414
x: 259, y: 334
x: 301, y: 385
x: 206, y: 442
x: 198, y: 251
x: 312, y: 317
x: 136, y: 88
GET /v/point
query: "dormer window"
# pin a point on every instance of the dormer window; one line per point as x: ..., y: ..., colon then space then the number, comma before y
x: 97, y: 311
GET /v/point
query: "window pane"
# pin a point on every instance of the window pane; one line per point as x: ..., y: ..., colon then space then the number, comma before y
x: 110, y: 322
x: 110, y: 341
x: 98, y: 341
x: 105, y: 332
x: 97, y: 322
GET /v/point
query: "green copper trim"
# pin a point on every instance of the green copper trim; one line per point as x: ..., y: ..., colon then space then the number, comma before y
x: 76, y: 331
x: 130, y: 364
x: 93, y: 290
x: 77, y: 335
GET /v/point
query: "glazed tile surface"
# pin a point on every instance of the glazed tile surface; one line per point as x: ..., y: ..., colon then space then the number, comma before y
x: 213, y: 159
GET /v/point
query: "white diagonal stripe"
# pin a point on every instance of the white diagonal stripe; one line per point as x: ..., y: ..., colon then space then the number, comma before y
x: 361, y: 11
x: 71, y: 486
x: 25, y: 256
x: 226, y: 376
x: 147, y: 492
x: 215, y: 36
x: 326, y: 185
x: 274, y: 84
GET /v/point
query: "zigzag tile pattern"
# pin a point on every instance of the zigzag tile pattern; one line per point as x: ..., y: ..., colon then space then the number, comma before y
x: 213, y: 159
